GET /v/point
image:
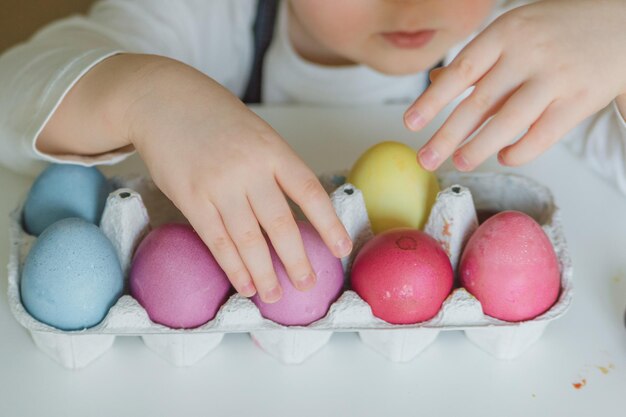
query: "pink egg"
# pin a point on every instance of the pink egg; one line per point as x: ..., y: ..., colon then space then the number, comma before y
x: 404, y: 275
x: 299, y: 308
x: 176, y: 279
x: 510, y: 266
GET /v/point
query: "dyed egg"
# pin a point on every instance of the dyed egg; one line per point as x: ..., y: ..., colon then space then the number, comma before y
x: 398, y: 192
x: 71, y: 276
x: 63, y: 191
x: 510, y: 266
x: 404, y: 275
x: 176, y: 279
x: 299, y: 308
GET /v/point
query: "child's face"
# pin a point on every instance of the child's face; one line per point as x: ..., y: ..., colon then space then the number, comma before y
x: 390, y: 36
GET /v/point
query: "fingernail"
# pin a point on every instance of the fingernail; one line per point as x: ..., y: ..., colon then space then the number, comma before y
x: 306, y: 282
x: 414, y: 120
x: 272, y: 295
x: 248, y: 290
x: 428, y: 159
x: 461, y: 163
x: 344, y: 247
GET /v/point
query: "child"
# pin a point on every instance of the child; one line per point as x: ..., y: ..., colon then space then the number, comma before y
x: 163, y: 77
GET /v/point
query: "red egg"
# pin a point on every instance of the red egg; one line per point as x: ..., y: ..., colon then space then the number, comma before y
x: 510, y: 266
x: 404, y: 275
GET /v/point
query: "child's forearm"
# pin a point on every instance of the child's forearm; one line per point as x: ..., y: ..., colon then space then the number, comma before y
x: 97, y: 114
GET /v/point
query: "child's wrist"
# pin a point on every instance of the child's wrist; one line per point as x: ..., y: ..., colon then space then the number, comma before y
x: 167, y: 95
x: 141, y: 96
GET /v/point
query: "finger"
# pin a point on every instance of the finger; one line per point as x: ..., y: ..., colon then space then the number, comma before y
x: 244, y: 230
x: 520, y: 111
x: 470, y: 114
x: 464, y: 71
x: 271, y: 209
x: 303, y: 187
x: 558, y: 119
x: 209, y: 226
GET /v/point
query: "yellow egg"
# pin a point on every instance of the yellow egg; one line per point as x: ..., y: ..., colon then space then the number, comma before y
x: 398, y: 192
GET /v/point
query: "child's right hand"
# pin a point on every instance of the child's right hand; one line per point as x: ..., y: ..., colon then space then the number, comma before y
x: 226, y: 170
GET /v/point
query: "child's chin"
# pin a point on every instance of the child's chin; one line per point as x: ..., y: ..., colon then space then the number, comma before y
x: 402, y: 67
x: 402, y: 62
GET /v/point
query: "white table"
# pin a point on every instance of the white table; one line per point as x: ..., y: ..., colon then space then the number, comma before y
x: 452, y: 377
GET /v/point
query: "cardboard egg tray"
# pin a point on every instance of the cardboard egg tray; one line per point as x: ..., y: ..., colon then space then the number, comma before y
x: 137, y: 205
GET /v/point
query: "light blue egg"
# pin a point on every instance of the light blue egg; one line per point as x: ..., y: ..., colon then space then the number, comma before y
x: 71, y: 276
x: 62, y: 191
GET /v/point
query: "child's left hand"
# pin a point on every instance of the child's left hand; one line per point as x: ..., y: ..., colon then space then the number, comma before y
x: 545, y: 66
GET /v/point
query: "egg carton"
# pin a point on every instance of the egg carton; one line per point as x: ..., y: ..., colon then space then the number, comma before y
x: 137, y: 205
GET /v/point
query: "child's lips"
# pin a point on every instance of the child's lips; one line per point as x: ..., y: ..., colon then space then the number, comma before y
x: 409, y: 40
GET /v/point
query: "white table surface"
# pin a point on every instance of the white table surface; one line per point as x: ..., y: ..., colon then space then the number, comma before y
x: 452, y: 377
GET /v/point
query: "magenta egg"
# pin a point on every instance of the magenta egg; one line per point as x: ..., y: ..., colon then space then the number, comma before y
x: 510, y: 266
x: 299, y: 308
x: 404, y: 275
x: 176, y: 279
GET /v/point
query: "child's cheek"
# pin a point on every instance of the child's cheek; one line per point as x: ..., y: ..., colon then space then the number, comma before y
x: 467, y: 17
x: 337, y: 24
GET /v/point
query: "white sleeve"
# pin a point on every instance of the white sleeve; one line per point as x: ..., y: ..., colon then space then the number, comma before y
x: 35, y: 76
x: 600, y: 141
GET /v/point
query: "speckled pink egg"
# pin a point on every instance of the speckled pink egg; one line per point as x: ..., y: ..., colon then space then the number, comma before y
x: 299, y: 308
x: 510, y: 266
x: 404, y: 275
x: 176, y: 279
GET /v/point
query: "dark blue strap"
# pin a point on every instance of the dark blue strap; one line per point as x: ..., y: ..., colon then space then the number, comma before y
x: 263, y: 32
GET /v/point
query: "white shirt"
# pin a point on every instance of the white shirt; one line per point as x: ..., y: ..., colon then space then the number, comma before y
x: 215, y: 37
x: 290, y: 79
